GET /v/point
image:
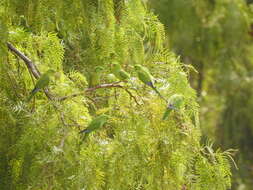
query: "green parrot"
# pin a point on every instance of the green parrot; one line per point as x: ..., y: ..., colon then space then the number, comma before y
x: 174, y: 103
x: 145, y: 77
x: 42, y: 82
x: 119, y: 72
x: 111, y: 78
x: 95, y: 77
x: 95, y: 124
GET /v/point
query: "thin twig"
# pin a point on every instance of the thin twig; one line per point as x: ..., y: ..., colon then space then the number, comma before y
x: 71, y: 96
x: 111, y: 85
x: 63, y: 140
x: 89, y: 90
x: 131, y: 95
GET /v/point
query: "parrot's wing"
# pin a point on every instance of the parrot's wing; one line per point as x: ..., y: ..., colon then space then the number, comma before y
x: 94, y: 124
x: 148, y: 73
x: 42, y: 82
x: 144, y: 77
x: 124, y: 75
x: 91, y: 127
x: 116, y: 74
x: 145, y: 70
x: 176, y: 101
x: 95, y: 79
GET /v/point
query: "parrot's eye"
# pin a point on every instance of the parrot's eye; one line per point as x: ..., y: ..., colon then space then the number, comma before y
x: 170, y: 106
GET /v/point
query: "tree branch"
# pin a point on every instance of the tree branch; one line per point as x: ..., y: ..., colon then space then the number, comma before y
x: 36, y: 73
x: 34, y: 70
x: 111, y: 85
x: 30, y: 65
x: 27, y: 61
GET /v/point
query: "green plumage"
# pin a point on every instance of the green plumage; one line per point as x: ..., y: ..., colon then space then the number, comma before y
x: 144, y: 74
x: 96, y: 76
x: 145, y: 77
x: 166, y: 113
x: 119, y: 72
x: 95, y: 124
x: 111, y: 78
x: 42, y: 82
x: 175, y: 102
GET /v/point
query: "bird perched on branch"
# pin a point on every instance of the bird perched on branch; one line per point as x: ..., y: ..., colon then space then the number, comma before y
x: 96, y: 76
x: 119, y: 72
x: 111, y: 78
x: 145, y: 77
x: 42, y: 82
x: 95, y: 124
x: 174, y: 103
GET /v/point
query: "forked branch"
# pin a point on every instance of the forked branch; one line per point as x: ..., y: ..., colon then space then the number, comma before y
x: 36, y: 73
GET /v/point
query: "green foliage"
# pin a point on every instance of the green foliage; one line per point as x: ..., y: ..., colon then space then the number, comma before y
x: 40, y: 144
x: 216, y: 38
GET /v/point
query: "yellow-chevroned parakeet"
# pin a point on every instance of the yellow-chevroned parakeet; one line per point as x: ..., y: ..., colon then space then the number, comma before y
x: 145, y: 77
x: 96, y: 123
x: 119, y: 72
x: 174, y: 103
x: 42, y: 82
x: 96, y: 76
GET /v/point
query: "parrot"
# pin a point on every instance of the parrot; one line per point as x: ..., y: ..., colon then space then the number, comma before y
x: 42, y: 82
x: 96, y: 123
x: 119, y: 72
x: 145, y: 77
x: 174, y: 103
x: 111, y: 78
x: 95, y: 77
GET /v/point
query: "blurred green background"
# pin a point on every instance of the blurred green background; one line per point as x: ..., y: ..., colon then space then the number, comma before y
x: 215, y: 36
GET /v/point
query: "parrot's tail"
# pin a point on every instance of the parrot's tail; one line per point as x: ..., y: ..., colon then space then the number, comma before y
x: 85, y: 131
x: 166, y: 114
x: 159, y: 94
x: 33, y: 92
